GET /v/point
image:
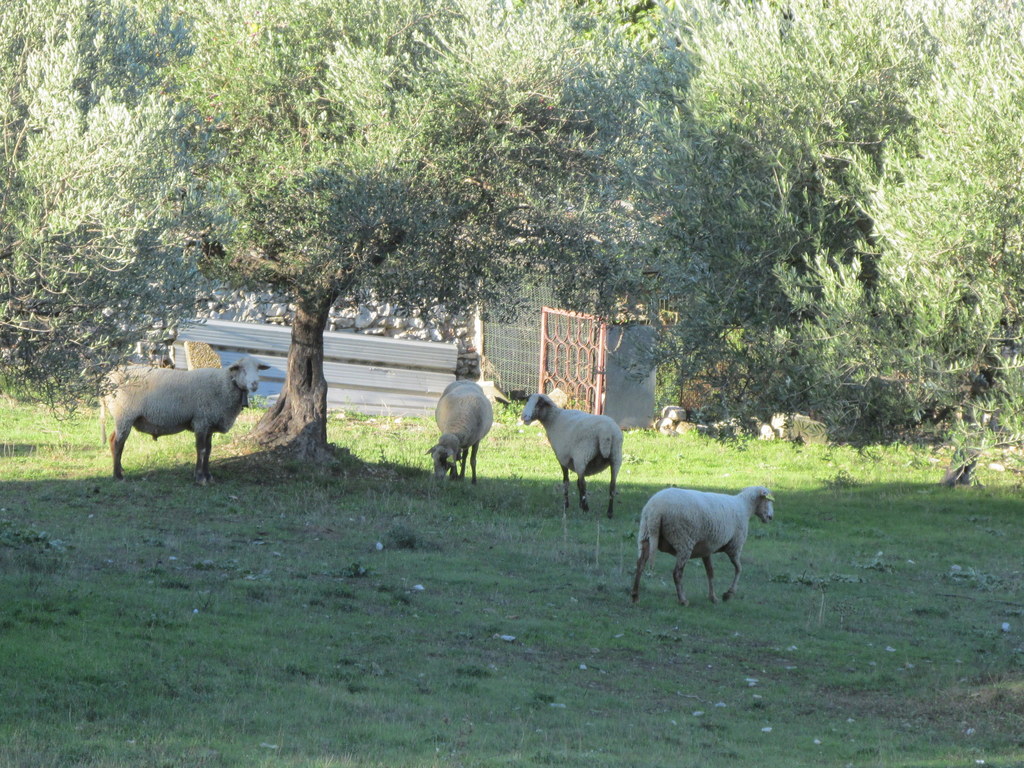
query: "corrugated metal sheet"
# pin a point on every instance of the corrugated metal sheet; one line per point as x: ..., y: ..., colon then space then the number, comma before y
x: 375, y: 375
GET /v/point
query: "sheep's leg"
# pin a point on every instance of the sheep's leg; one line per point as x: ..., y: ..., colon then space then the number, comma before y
x: 204, y: 442
x: 641, y: 563
x: 117, y: 441
x: 677, y: 576
x: 581, y: 486
x: 735, y: 558
x: 461, y: 460
x: 709, y: 570
x: 565, y: 489
x: 472, y: 460
x: 611, y: 490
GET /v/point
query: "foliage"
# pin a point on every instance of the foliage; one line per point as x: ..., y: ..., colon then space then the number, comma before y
x: 425, y: 151
x: 842, y: 235
x: 14, y: 537
x: 867, y: 629
x: 991, y: 423
x: 97, y: 189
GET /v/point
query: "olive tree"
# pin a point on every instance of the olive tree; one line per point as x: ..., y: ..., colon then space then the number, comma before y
x: 427, y: 151
x: 841, y: 229
x: 96, y: 190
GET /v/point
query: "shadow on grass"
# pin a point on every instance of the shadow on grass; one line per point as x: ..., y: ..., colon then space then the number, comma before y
x: 236, y: 466
x: 17, y: 450
x: 849, y: 568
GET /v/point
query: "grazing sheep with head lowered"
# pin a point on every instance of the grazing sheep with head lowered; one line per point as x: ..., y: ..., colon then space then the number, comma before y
x: 582, y: 442
x: 165, y: 401
x: 691, y: 524
x: 464, y: 415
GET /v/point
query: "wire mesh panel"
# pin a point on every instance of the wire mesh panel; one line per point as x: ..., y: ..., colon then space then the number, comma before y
x: 573, y: 348
x: 511, y: 342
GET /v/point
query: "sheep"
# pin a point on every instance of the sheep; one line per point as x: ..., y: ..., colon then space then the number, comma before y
x: 165, y: 401
x: 582, y: 442
x: 464, y: 415
x: 691, y: 524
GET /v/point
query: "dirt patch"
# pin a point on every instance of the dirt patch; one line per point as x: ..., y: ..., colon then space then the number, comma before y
x: 275, y: 465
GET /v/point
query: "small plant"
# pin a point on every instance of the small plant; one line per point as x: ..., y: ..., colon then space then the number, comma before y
x: 972, y: 577
x: 23, y: 537
x: 354, y: 571
x: 877, y: 563
x: 507, y: 413
x: 841, y: 481
x: 632, y: 458
x: 403, y: 537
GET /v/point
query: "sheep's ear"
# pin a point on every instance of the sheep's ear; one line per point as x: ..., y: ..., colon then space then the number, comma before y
x: 767, y: 495
x: 262, y: 367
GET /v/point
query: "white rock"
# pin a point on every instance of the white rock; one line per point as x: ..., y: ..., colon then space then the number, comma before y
x: 667, y: 426
x: 365, y: 318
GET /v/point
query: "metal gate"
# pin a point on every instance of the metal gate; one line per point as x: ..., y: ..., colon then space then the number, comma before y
x: 573, y: 356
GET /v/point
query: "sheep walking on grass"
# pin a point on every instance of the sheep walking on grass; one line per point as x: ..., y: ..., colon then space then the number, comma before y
x: 690, y: 524
x: 583, y: 443
x: 165, y: 401
x: 464, y: 415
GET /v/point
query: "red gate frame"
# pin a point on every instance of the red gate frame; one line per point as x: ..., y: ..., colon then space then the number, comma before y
x: 580, y: 337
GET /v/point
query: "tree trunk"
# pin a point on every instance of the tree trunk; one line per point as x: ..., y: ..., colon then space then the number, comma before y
x: 298, y: 420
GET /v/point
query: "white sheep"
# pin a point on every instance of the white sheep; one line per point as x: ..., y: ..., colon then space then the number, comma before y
x: 464, y: 415
x: 690, y: 524
x: 583, y: 442
x: 165, y: 401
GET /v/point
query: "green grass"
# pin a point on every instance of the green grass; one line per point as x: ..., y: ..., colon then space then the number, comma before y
x: 256, y: 622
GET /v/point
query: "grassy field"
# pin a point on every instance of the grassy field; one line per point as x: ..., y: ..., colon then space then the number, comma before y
x: 365, y: 615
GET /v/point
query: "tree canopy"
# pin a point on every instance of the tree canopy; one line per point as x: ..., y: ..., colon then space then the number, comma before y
x: 841, y: 200
x: 98, y: 189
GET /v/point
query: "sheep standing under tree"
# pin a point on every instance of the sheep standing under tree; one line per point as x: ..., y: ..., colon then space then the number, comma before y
x: 165, y: 401
x: 464, y: 415
x: 583, y: 443
x: 690, y: 524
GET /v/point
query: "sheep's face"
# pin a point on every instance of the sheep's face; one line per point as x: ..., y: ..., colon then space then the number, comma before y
x: 444, y: 461
x: 765, y: 509
x: 245, y: 373
x: 536, y: 408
